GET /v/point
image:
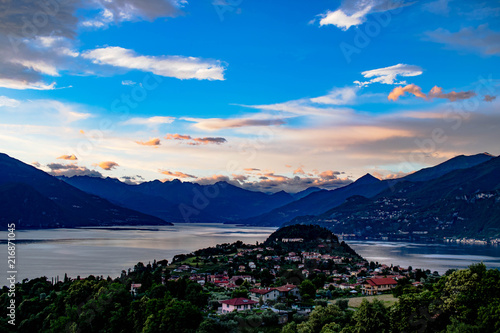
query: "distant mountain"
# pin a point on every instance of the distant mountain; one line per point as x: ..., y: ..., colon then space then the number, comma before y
x: 305, y: 193
x: 319, y: 202
x: 34, y: 199
x: 456, y: 163
x: 367, y: 186
x: 178, y: 201
x: 462, y: 203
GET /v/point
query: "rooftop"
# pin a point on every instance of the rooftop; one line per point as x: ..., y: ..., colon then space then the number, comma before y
x: 238, y: 301
x: 380, y: 281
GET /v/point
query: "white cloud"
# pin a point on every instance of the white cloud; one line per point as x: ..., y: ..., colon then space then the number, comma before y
x: 5, y: 101
x: 38, y: 66
x: 337, y: 96
x: 24, y: 84
x: 354, y: 12
x: 344, y: 21
x: 35, y: 45
x: 388, y: 75
x: 151, y: 121
x: 322, y: 106
x: 170, y: 66
x: 67, y: 113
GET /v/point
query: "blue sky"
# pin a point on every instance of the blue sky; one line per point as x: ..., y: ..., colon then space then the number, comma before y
x: 267, y: 95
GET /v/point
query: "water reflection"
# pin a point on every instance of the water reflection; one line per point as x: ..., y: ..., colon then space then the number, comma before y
x: 107, y: 251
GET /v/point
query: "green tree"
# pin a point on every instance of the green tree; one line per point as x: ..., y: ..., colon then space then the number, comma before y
x: 290, y: 327
x: 307, y: 289
x: 371, y: 317
x: 196, y: 295
x: 240, y: 292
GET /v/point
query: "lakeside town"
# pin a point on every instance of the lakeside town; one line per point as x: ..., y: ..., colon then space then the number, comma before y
x: 301, y: 279
x: 241, y: 277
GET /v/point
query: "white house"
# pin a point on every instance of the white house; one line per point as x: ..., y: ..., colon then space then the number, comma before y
x: 267, y: 294
x: 134, y: 288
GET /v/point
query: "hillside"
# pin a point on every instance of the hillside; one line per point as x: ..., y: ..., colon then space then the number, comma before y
x: 34, y: 199
x: 368, y: 186
x: 462, y: 203
x: 307, y: 238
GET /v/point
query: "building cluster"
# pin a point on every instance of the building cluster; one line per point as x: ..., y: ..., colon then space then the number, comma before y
x: 343, y: 274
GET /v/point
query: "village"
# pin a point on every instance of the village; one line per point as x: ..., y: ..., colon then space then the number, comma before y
x: 241, y: 277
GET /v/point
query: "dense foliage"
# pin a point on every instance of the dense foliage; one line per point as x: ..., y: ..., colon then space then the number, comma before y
x: 461, y: 301
x: 311, y: 236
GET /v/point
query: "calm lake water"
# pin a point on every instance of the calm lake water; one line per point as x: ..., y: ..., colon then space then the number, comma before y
x: 108, y: 251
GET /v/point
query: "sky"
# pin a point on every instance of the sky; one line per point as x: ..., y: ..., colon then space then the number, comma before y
x: 268, y: 95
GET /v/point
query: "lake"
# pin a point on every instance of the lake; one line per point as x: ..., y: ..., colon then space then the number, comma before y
x: 108, y: 251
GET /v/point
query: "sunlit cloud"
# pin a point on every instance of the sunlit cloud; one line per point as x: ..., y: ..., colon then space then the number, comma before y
x: 151, y: 121
x: 195, y: 141
x: 436, y: 92
x: 70, y: 170
x: 153, y: 142
x: 107, y: 165
x: 213, y: 179
x: 400, y: 91
x: 329, y: 174
x: 389, y: 175
x: 271, y: 182
x: 177, y: 137
x: 68, y: 157
x: 207, y: 140
x: 213, y: 124
x: 176, y: 174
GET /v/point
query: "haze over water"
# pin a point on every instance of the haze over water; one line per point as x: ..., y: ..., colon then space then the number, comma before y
x: 108, y: 251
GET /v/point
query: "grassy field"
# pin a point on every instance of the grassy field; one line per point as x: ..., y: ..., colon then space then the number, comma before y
x: 387, y: 299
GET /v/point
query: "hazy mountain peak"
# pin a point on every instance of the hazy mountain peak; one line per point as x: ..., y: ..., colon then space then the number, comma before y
x: 367, y: 179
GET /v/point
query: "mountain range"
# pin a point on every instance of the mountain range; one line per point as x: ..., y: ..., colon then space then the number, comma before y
x: 368, y: 206
x: 34, y: 199
x: 464, y: 202
x: 367, y: 186
x: 177, y: 201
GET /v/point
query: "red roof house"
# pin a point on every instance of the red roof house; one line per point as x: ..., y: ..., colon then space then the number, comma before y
x: 376, y: 286
x: 238, y: 304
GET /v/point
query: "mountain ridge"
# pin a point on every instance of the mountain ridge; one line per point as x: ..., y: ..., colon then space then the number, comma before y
x: 55, y: 202
x: 368, y: 186
x: 461, y: 203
